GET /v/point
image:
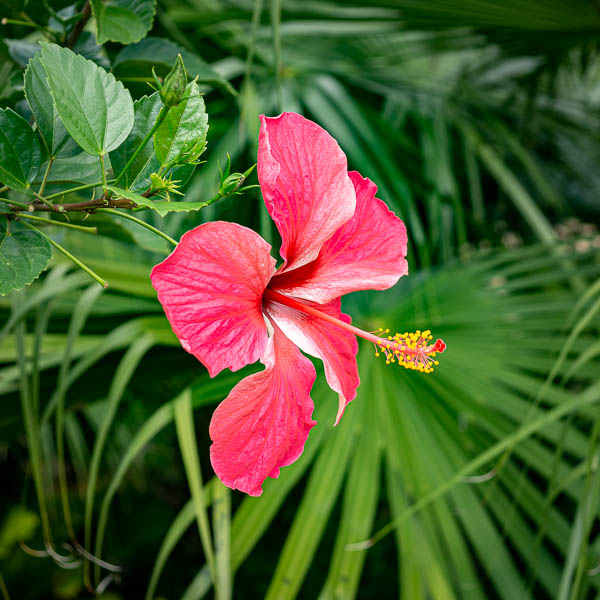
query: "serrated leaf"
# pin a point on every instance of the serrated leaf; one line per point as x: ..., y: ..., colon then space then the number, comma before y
x: 162, y: 207
x: 42, y: 106
x: 20, y: 151
x: 181, y: 137
x: 138, y: 60
x: 137, y: 177
x: 23, y: 256
x: 95, y: 108
x: 124, y: 21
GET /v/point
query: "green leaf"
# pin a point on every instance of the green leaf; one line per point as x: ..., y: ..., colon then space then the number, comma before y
x: 137, y: 176
x: 181, y: 137
x: 18, y: 525
x: 162, y: 207
x: 95, y: 108
x: 138, y: 59
x: 42, y: 106
x: 77, y: 168
x: 20, y: 151
x: 124, y: 21
x: 186, y: 436
x: 23, y: 256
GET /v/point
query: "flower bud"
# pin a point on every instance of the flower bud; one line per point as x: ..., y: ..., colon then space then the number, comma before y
x: 231, y: 184
x: 173, y: 87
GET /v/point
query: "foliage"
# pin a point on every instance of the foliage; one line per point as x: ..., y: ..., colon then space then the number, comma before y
x: 478, y: 122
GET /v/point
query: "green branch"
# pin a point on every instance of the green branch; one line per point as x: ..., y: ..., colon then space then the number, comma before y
x: 60, y: 248
x: 159, y: 119
x: 139, y: 222
x: 59, y: 223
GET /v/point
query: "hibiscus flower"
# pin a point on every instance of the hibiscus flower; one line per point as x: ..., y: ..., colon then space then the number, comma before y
x: 229, y: 306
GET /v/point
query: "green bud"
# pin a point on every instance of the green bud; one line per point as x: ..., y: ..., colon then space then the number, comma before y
x: 173, y: 87
x: 231, y: 184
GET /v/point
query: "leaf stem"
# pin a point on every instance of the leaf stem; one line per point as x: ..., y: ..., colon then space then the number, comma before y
x: 139, y: 222
x: 159, y: 119
x: 79, y: 188
x: 47, y: 202
x: 31, y: 24
x: 59, y: 223
x: 60, y: 248
x: 46, y: 173
x: 24, y: 205
x: 102, y: 168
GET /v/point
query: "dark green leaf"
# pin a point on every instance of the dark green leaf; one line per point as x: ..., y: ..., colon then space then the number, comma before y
x: 137, y: 177
x: 86, y: 46
x: 138, y: 59
x: 78, y: 168
x: 23, y: 256
x: 162, y: 207
x: 40, y: 100
x: 21, y: 51
x: 181, y: 137
x: 95, y: 108
x: 141, y: 236
x: 20, y: 151
x: 123, y: 21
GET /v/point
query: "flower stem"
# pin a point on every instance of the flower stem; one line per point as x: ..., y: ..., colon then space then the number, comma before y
x: 59, y: 223
x: 60, y: 248
x: 139, y: 222
x: 159, y: 119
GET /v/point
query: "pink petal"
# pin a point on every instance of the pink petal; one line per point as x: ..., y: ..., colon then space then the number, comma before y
x: 335, y: 346
x: 211, y: 289
x: 367, y: 253
x: 264, y: 422
x: 307, y: 191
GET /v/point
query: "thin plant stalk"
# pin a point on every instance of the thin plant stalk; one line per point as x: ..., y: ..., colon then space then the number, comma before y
x: 159, y: 119
x: 158, y: 232
x: 59, y: 223
x: 60, y: 248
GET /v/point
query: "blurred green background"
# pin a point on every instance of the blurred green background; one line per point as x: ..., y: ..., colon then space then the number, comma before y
x: 479, y: 122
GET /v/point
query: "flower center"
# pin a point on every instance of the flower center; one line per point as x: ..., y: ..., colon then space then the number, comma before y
x: 409, y: 350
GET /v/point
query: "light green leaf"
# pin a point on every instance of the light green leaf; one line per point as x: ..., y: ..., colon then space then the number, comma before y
x: 20, y: 151
x: 124, y: 21
x: 162, y: 207
x: 95, y: 108
x: 181, y: 137
x: 78, y: 168
x: 42, y: 106
x: 138, y: 59
x: 23, y: 256
x: 137, y: 177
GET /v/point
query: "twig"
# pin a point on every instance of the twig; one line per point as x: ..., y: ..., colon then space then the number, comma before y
x: 86, y: 13
x: 88, y: 205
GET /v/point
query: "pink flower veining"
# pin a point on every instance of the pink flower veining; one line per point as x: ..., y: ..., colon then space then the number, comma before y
x: 230, y: 307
